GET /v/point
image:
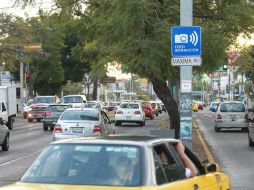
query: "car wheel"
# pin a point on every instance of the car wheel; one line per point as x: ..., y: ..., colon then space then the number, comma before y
x: 45, y: 127
x: 51, y: 128
x: 10, y: 124
x: 217, y: 129
x: 5, y: 146
x: 142, y: 123
x: 117, y: 123
x: 30, y: 120
x: 251, y: 143
x: 245, y: 129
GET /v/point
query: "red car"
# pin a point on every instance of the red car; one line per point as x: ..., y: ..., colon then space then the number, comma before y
x: 147, y: 108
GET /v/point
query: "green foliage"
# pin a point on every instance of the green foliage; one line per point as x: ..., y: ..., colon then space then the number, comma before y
x: 72, y: 88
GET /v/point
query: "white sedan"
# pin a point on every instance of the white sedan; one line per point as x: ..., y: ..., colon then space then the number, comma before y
x: 78, y: 122
x: 130, y: 113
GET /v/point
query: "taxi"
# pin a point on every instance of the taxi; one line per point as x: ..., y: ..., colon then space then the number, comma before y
x: 194, y: 106
x: 115, y: 163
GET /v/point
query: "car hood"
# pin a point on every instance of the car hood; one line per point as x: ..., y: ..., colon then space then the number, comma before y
x: 40, y: 105
x: 38, y: 186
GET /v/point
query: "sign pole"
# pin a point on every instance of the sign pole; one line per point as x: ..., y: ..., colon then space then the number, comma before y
x: 186, y: 75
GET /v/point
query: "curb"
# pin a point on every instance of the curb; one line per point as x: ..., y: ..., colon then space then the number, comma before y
x: 202, y: 141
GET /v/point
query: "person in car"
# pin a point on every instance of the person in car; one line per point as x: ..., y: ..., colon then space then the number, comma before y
x: 190, y: 168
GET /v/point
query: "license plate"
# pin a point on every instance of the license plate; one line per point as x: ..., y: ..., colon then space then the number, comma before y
x: 128, y: 117
x: 77, y: 130
x: 233, y: 116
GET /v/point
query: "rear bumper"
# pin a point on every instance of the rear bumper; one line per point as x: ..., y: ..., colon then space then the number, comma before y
x: 59, y: 136
x: 51, y: 123
x: 129, y: 119
x: 231, y: 124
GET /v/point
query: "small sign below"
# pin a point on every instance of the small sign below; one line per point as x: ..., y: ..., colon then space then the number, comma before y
x: 186, y: 61
x: 186, y: 86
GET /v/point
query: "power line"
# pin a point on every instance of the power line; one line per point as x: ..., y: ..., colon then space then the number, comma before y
x: 16, y: 6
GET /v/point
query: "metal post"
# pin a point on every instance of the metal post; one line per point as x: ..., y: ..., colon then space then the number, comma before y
x: 186, y: 72
x: 21, y: 82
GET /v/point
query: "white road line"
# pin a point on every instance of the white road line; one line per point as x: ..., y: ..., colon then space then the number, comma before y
x: 22, y: 157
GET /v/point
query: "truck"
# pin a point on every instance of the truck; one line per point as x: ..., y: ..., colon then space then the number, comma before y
x: 39, y: 107
x: 76, y: 101
x: 8, y: 105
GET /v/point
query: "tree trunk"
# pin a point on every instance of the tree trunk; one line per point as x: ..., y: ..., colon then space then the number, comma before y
x: 95, y: 88
x: 163, y: 92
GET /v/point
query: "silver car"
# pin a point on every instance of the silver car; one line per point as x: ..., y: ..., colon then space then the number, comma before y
x: 4, y: 135
x: 231, y: 114
x: 78, y: 122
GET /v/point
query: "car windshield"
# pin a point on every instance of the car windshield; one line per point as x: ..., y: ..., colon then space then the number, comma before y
x: 86, y: 164
x: 72, y: 99
x: 47, y: 100
x: 129, y: 106
x: 90, y: 105
x: 89, y: 115
x: 232, y: 107
x: 57, y: 108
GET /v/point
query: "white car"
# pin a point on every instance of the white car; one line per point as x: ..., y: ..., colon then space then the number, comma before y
x: 78, y: 122
x: 130, y: 112
x: 76, y: 101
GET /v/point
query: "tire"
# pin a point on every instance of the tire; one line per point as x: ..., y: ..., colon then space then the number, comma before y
x: 45, y: 127
x: 38, y: 120
x: 152, y: 117
x: 142, y: 123
x: 217, y: 129
x: 51, y: 128
x: 117, y: 123
x: 5, y: 146
x: 245, y: 129
x: 251, y: 143
x: 24, y: 115
x: 30, y: 120
x: 10, y: 124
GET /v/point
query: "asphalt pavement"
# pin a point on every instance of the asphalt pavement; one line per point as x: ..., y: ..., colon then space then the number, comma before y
x: 231, y: 149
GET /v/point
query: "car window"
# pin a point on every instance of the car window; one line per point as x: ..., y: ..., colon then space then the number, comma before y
x: 113, y: 165
x: 168, y: 164
x: 72, y: 99
x: 3, y: 107
x: 232, y: 107
x: 47, y: 100
x: 57, y: 108
x: 89, y: 115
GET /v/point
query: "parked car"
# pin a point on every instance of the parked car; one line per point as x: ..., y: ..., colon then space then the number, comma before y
x: 200, y: 105
x: 147, y: 108
x: 213, y: 106
x: 163, y: 107
x: 159, y: 107
x: 94, y: 104
x: 4, y: 135
x: 79, y: 122
x: 231, y: 114
x: 27, y: 108
x: 117, y: 162
x: 194, y: 106
x: 130, y: 112
x: 52, y: 115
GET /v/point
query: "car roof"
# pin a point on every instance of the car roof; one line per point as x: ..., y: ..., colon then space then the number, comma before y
x: 232, y: 102
x: 74, y: 95
x: 80, y: 109
x: 117, y: 139
x: 59, y: 104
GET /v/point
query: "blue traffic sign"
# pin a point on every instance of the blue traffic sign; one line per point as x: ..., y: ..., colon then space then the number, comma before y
x: 186, y: 41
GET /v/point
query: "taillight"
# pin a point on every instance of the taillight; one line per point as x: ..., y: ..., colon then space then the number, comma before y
x: 119, y: 112
x: 246, y: 116
x: 219, y: 116
x: 58, y: 129
x: 48, y: 113
x: 97, y: 129
x: 137, y: 112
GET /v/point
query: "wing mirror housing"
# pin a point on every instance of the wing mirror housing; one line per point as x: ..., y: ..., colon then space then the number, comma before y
x: 211, y: 167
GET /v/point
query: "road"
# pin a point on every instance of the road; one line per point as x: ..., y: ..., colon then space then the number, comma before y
x: 231, y: 149
x: 27, y: 140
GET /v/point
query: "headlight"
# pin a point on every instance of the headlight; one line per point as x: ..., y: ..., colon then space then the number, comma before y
x: 29, y: 109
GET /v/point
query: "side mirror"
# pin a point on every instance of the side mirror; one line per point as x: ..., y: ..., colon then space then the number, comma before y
x: 211, y: 167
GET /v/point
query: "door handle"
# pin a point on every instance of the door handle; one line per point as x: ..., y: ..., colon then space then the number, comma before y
x: 196, y: 186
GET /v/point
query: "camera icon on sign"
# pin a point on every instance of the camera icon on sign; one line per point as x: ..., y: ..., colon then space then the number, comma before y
x: 181, y: 38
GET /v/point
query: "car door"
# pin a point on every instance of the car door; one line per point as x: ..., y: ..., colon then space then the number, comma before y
x: 107, y: 125
x: 202, y: 181
x: 168, y: 172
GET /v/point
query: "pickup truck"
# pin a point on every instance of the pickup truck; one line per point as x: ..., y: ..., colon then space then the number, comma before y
x: 39, y: 107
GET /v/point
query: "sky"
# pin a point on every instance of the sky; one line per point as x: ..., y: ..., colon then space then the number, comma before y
x: 7, y: 6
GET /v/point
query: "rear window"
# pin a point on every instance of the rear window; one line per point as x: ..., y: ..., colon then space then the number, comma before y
x: 72, y: 99
x: 232, y: 107
x: 87, y: 164
x: 129, y: 106
x: 57, y: 108
x: 47, y: 100
x: 88, y: 115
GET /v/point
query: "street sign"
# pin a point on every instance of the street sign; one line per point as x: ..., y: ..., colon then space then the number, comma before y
x: 186, y: 61
x: 186, y: 41
x: 111, y: 80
